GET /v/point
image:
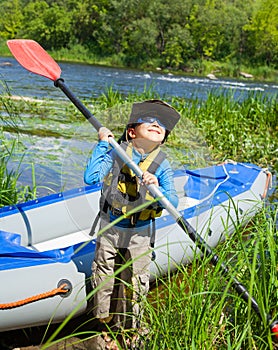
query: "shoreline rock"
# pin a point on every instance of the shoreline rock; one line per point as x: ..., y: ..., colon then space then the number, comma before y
x: 246, y: 75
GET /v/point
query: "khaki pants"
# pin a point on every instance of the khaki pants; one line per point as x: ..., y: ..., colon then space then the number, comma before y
x: 120, y: 294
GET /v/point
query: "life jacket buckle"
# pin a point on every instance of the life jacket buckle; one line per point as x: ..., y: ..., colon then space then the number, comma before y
x: 133, y: 220
x: 116, y: 211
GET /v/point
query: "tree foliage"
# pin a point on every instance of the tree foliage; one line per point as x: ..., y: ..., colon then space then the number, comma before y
x: 262, y: 31
x: 169, y: 33
x: 11, y: 18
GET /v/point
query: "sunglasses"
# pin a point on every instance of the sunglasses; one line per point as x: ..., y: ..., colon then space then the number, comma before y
x: 151, y: 120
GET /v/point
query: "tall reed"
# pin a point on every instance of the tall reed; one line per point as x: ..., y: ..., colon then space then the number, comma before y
x: 196, y: 308
x: 243, y: 128
x: 11, y: 191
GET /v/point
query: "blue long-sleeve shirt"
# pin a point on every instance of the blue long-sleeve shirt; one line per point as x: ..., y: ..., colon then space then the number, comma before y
x: 101, y: 162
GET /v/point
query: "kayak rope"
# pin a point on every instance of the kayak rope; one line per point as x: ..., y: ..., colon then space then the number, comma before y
x: 268, y: 184
x: 64, y: 288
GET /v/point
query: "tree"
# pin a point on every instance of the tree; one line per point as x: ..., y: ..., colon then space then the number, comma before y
x: 262, y: 31
x: 50, y: 25
x: 87, y: 16
x: 141, y: 32
x: 11, y: 18
x: 140, y: 37
x: 179, y: 46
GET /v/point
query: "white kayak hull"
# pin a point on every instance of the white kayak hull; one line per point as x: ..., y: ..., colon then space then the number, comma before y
x: 46, y: 242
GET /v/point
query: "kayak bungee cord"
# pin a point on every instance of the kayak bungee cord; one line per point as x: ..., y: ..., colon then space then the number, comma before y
x: 36, y: 60
x: 62, y: 289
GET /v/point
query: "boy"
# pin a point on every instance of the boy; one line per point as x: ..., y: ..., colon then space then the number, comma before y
x: 129, y: 239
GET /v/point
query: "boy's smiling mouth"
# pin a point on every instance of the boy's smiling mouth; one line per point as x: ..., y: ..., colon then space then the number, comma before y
x: 156, y: 130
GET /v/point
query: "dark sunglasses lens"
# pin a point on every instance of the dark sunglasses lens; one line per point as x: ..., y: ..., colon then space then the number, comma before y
x: 151, y: 120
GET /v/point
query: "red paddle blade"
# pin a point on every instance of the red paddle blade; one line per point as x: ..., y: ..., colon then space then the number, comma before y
x: 34, y: 58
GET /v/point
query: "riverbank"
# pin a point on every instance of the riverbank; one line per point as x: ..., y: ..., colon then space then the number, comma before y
x: 198, y: 68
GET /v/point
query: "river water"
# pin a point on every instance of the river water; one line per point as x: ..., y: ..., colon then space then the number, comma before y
x: 89, y: 80
x: 59, y: 161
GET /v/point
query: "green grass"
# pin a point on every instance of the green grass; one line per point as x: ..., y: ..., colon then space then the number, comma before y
x: 12, y: 154
x: 196, y: 308
x: 244, y: 130
x: 223, y: 126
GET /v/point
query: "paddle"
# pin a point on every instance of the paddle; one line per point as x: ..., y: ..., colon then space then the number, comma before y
x: 35, y: 59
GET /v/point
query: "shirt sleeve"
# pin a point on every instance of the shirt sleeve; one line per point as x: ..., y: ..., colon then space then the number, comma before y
x: 99, y: 164
x: 164, y: 174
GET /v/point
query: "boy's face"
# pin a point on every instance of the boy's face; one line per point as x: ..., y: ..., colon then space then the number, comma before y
x: 152, y: 132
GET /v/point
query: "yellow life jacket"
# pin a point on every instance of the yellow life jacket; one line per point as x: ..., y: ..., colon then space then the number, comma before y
x: 122, y: 191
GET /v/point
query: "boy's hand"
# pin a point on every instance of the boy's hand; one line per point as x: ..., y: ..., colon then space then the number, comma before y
x: 149, y: 179
x: 104, y: 133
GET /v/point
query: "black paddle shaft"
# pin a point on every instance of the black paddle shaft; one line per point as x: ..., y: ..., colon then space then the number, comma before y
x: 87, y: 114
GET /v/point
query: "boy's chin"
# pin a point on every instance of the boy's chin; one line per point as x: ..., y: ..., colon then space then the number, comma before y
x: 148, y: 142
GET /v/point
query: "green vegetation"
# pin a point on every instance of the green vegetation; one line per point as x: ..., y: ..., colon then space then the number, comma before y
x: 218, y: 128
x: 11, y: 191
x: 224, y: 126
x: 243, y: 131
x: 196, y: 309
x: 12, y: 155
x: 193, y: 36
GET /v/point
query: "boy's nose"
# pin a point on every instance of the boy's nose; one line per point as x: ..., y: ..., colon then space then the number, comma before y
x: 155, y: 123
